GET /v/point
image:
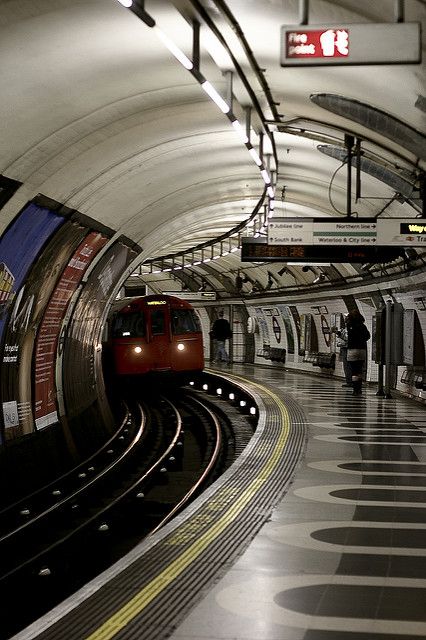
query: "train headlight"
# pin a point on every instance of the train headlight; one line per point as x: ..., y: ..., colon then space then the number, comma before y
x: 137, y: 349
x: 180, y: 346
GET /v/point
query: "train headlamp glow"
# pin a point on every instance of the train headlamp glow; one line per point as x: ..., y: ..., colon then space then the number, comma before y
x: 180, y: 346
x: 137, y: 349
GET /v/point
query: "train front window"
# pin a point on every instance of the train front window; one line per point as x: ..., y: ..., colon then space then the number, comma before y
x: 129, y: 325
x: 157, y: 323
x: 184, y: 321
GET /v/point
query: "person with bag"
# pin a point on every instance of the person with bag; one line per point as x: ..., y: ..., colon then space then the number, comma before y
x: 220, y: 332
x: 358, y: 336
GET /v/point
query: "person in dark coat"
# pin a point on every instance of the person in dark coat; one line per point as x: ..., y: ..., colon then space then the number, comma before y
x: 358, y: 336
x: 220, y: 332
x: 342, y: 343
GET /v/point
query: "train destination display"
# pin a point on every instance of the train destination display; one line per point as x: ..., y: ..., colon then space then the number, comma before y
x: 258, y: 250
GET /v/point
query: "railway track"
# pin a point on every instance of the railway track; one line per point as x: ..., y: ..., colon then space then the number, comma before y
x: 165, y: 452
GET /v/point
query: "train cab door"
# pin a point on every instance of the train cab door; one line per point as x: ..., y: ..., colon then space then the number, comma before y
x: 159, y: 337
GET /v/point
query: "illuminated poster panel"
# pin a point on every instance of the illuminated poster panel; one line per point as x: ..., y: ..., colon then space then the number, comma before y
x: 82, y: 348
x: 20, y: 245
x: 17, y: 384
x: 48, y: 334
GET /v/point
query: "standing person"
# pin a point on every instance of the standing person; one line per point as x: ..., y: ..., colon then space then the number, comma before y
x: 342, y: 343
x: 358, y: 335
x: 220, y: 332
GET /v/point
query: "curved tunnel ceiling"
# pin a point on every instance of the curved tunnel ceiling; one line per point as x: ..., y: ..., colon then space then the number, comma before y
x: 98, y: 115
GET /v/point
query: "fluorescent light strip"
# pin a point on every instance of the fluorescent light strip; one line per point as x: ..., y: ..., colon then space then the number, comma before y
x: 126, y: 3
x: 240, y: 131
x: 255, y: 156
x: 271, y: 192
x: 178, y: 54
x: 265, y: 176
x: 211, y: 91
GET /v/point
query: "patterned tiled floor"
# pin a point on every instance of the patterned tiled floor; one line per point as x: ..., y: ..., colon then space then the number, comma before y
x: 343, y: 556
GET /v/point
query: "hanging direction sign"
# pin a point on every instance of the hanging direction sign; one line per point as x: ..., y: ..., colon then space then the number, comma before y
x: 401, y: 232
x: 322, y: 231
x: 367, y: 43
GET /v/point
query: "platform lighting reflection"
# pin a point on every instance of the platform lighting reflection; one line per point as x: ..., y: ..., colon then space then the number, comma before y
x: 181, y: 346
x: 205, y: 387
x: 243, y: 403
x: 253, y: 411
x: 231, y: 396
x: 214, y: 95
x: 138, y: 349
x: 219, y: 391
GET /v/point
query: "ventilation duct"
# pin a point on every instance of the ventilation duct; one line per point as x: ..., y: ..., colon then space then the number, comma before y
x: 374, y: 169
x: 374, y: 119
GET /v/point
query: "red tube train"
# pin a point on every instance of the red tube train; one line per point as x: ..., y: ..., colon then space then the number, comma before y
x: 157, y: 334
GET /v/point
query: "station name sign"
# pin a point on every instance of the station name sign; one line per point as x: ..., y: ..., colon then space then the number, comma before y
x: 368, y: 43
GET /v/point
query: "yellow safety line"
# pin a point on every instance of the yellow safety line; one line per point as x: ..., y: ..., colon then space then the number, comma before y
x: 142, y: 599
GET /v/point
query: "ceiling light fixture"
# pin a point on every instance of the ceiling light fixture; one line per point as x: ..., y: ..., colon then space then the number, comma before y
x: 240, y: 131
x: 214, y: 95
x: 255, y: 156
x: 266, y: 177
x: 178, y: 54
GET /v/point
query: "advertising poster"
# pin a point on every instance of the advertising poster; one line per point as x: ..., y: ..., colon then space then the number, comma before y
x: 17, y: 383
x: 48, y: 334
x: 296, y: 319
x: 275, y: 327
x: 263, y: 327
x: 285, y: 314
x: 82, y: 347
x: 20, y: 247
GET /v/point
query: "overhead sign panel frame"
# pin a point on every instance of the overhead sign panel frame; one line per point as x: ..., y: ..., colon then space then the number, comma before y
x: 322, y: 231
x: 401, y: 232
x: 349, y: 44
